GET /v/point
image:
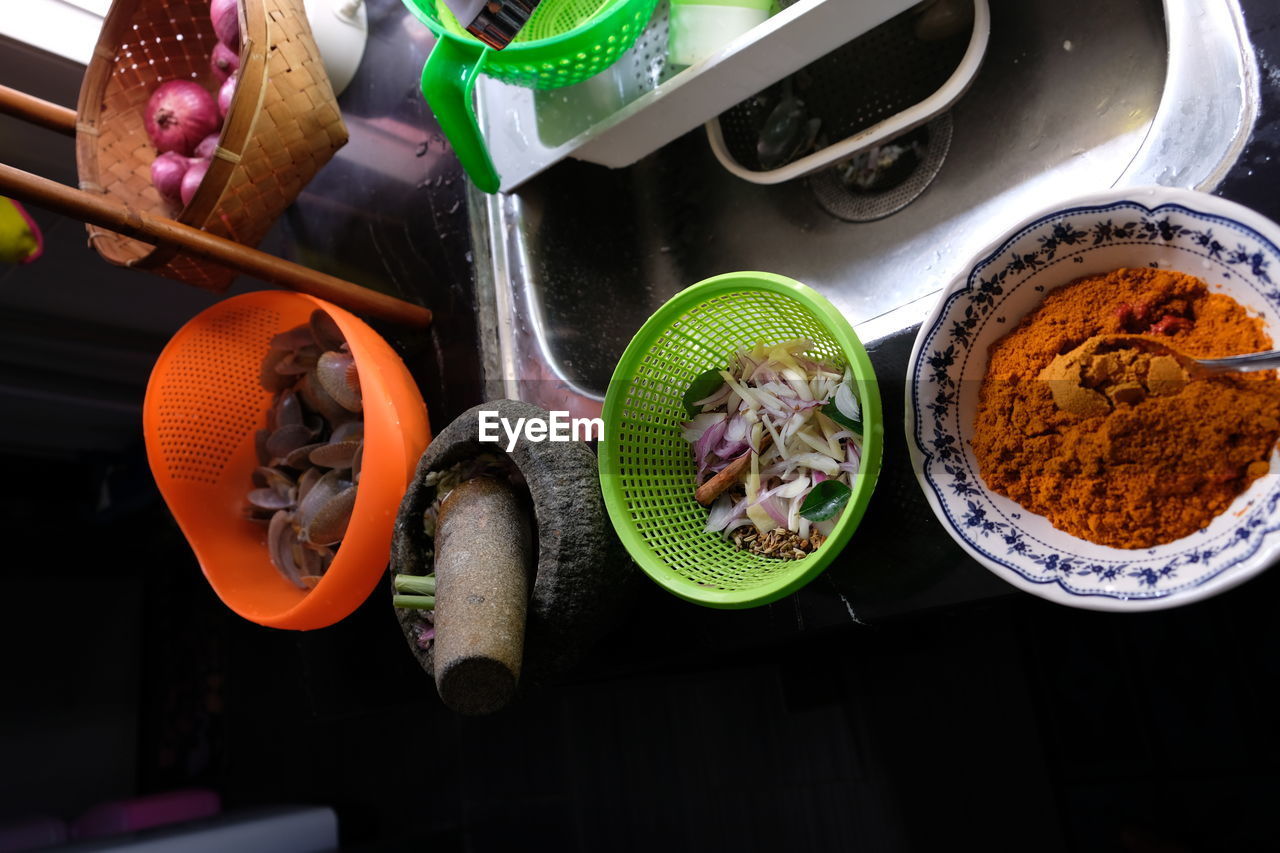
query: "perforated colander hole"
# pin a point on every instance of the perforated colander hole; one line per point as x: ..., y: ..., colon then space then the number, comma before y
x: 208, y: 392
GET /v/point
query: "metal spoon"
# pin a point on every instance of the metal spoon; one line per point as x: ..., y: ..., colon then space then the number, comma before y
x: 1168, y: 373
x: 1247, y: 363
x: 1196, y: 367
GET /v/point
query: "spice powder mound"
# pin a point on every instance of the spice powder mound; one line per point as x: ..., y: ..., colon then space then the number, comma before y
x: 1142, y: 473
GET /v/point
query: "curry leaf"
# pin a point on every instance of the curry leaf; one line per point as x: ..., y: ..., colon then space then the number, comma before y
x: 825, y: 500
x: 703, y: 386
x: 839, y: 417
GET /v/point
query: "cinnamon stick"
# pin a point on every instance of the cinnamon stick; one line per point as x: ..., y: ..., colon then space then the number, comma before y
x: 713, y: 488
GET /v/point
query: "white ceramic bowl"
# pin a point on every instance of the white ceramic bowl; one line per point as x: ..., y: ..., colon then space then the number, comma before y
x: 1230, y: 247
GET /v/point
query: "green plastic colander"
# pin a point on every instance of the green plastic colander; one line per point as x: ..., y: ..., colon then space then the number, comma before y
x: 647, y: 469
x: 563, y: 42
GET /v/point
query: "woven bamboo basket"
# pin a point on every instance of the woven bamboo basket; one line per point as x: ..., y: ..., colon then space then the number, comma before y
x: 282, y: 127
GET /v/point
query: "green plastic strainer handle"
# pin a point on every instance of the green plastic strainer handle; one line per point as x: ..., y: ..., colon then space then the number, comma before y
x: 448, y: 81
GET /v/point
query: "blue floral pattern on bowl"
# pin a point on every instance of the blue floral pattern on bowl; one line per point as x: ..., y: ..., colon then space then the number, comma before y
x: 1230, y: 247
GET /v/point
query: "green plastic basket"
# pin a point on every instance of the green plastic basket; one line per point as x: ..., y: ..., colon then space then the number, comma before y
x: 563, y: 42
x: 647, y: 469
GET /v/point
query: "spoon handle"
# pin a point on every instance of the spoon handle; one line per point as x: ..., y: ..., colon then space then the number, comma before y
x: 1268, y: 360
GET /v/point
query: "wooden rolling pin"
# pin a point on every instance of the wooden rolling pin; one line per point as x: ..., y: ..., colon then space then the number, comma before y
x: 484, y: 547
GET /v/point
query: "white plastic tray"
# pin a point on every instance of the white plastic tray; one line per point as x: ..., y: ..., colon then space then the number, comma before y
x: 889, y: 128
x: 640, y: 103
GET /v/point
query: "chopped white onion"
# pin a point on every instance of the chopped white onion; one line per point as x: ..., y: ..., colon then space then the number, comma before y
x: 776, y: 391
x: 693, y: 430
x: 846, y: 403
x: 798, y: 486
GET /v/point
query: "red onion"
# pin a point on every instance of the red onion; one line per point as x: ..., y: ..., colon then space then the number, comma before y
x: 224, y: 95
x: 208, y: 145
x: 224, y: 61
x: 191, y: 180
x: 226, y: 21
x: 167, y: 172
x: 179, y: 115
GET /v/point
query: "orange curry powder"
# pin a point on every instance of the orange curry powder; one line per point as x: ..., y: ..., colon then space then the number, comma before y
x: 1144, y: 473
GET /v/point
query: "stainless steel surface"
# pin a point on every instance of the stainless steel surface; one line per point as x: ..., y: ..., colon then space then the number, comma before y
x: 1071, y: 97
x: 1268, y: 360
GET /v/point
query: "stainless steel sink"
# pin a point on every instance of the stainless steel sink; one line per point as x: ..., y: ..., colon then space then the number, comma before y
x: 1071, y: 97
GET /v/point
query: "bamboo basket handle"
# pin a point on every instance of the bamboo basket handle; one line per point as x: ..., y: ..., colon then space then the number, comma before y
x: 99, y: 210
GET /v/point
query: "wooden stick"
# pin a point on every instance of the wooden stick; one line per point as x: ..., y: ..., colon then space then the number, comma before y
x: 712, y: 489
x: 36, y: 111
x: 100, y: 210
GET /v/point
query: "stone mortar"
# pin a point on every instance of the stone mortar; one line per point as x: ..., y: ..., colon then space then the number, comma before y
x: 583, y: 575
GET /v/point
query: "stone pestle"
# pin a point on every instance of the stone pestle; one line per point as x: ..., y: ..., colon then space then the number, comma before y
x: 483, y: 554
x: 581, y: 578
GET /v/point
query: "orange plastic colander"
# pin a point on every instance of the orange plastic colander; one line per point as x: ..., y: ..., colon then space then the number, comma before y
x: 203, y: 405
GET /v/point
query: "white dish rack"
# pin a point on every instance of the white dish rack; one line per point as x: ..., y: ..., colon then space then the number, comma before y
x: 889, y: 128
x: 641, y: 102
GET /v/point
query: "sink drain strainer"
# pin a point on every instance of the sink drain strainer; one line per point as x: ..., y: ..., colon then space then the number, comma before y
x: 887, y: 178
x: 905, y: 72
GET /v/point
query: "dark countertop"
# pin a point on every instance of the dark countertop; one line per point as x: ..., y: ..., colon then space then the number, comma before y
x: 960, y: 706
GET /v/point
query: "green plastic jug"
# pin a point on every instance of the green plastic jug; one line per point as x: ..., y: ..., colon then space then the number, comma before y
x: 564, y: 42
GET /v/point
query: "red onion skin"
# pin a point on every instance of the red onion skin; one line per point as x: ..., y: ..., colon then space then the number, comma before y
x: 226, y: 21
x: 167, y: 172
x: 179, y: 115
x: 224, y: 62
x: 224, y: 95
x: 191, y: 180
x: 208, y: 146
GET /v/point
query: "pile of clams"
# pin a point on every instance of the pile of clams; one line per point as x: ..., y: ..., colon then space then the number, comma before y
x: 309, y: 454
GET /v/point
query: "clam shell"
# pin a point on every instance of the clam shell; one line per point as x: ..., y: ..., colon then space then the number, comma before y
x: 336, y: 372
x: 299, y: 361
x: 287, y: 439
x: 308, y: 479
x: 318, y: 399
x: 339, y: 455
x: 280, y: 541
x: 293, y: 339
x: 288, y: 409
x: 300, y: 458
x: 350, y: 431
x: 260, y: 445
x: 274, y: 478
x: 329, y: 524
x: 309, y: 507
x: 325, y: 331
x: 270, y: 499
x: 308, y: 561
x: 268, y: 376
